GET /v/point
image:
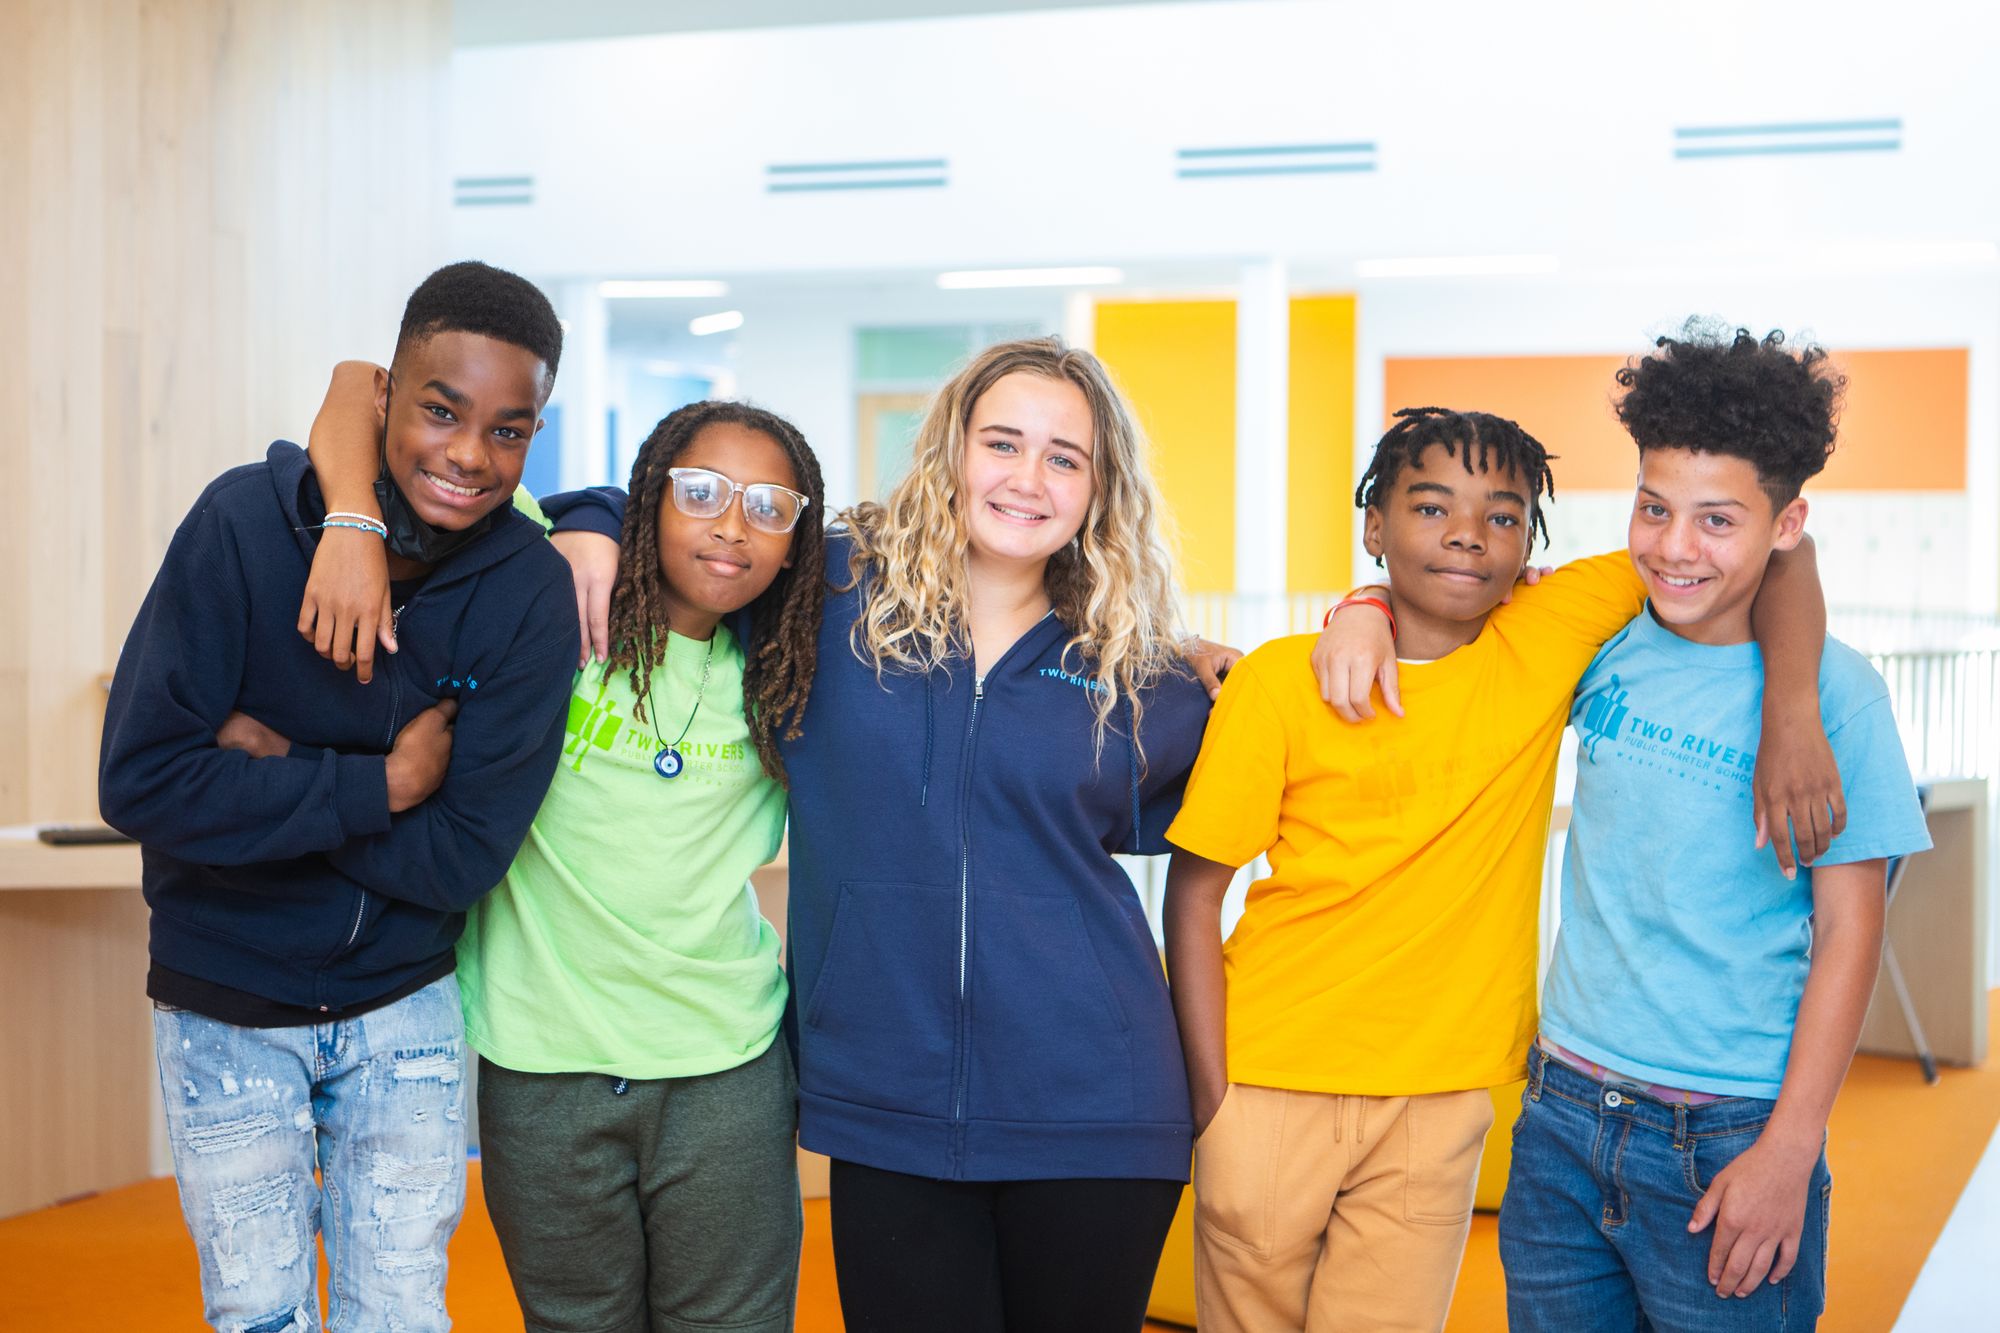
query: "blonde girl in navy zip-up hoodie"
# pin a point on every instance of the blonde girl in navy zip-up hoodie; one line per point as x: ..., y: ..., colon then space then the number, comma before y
x: 987, y: 1046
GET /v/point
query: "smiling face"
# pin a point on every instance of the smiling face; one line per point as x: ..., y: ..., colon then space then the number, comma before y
x: 1454, y: 541
x: 1702, y: 532
x: 1027, y: 480
x: 458, y: 411
x: 710, y: 567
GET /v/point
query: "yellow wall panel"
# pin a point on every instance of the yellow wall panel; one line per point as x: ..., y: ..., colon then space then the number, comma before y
x: 1319, y: 518
x: 1176, y: 361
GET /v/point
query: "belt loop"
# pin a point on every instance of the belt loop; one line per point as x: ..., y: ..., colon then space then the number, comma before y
x: 1538, y: 1060
x: 1680, y: 1124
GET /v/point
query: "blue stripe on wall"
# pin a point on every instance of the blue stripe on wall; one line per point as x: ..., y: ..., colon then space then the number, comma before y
x: 1367, y: 146
x: 1800, y: 127
x: 1300, y: 169
x: 1786, y: 149
x: 798, y: 187
x: 913, y: 164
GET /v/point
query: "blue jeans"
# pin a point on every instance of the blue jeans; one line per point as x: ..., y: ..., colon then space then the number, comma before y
x: 1593, y: 1229
x: 377, y: 1103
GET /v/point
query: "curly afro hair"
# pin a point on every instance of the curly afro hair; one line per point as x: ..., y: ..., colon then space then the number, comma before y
x: 471, y: 297
x: 1719, y: 391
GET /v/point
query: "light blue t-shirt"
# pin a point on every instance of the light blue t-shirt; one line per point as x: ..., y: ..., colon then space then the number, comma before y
x: 1683, y: 950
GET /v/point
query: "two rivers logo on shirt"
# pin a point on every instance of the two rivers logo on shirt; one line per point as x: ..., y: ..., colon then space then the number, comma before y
x: 595, y: 725
x: 1609, y: 717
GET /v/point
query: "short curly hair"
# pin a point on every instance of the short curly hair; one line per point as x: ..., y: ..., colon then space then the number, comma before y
x: 471, y: 297
x: 1722, y: 391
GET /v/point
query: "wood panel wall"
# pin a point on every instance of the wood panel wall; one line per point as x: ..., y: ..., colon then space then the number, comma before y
x: 203, y: 205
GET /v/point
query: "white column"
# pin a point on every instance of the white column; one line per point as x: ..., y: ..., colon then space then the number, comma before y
x: 1080, y: 320
x: 582, y: 389
x: 1263, y: 421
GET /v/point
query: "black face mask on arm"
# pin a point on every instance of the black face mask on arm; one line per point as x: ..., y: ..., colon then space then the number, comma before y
x: 414, y: 539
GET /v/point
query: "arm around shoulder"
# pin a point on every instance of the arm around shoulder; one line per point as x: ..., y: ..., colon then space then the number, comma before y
x: 1796, y: 789
x: 450, y: 850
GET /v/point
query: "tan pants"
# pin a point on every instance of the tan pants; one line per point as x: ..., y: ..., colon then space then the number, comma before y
x: 1329, y: 1213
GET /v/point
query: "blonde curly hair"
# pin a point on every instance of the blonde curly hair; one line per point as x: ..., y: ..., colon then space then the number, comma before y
x: 1113, y: 586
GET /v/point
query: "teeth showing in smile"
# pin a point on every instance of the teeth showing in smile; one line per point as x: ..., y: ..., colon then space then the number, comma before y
x: 1673, y: 582
x: 449, y: 489
x: 1016, y: 513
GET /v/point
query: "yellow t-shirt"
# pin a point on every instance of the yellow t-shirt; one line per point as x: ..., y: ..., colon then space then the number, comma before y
x: 1391, y: 951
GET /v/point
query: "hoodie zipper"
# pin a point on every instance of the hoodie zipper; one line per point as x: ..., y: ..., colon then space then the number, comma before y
x: 395, y: 708
x: 964, y: 912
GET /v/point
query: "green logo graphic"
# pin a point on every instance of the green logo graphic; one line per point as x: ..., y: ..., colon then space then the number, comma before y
x: 592, y: 726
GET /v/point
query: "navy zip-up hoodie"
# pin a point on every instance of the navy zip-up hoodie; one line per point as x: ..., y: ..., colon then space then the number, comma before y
x: 288, y: 877
x: 979, y: 993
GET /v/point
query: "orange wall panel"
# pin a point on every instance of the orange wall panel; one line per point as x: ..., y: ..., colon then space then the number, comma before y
x: 1903, y: 429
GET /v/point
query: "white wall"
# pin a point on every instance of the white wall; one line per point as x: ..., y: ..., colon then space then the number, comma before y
x: 1499, y: 129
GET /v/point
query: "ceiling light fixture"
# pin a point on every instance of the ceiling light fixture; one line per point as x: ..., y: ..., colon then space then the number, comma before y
x: 1456, y: 266
x: 722, y: 322
x: 1900, y: 254
x: 662, y: 287
x: 968, y: 279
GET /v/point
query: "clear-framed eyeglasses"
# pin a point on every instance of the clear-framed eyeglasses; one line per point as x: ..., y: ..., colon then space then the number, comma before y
x: 767, y: 506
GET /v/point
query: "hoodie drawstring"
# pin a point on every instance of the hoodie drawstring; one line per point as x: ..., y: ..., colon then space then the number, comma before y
x: 1132, y: 751
x: 924, y: 791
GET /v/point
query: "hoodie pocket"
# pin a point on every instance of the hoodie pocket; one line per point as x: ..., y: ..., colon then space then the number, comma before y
x: 883, y: 1010
x: 1049, y: 1040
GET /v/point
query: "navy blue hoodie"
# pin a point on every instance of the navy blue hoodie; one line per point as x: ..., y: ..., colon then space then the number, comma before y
x: 287, y: 877
x: 980, y: 995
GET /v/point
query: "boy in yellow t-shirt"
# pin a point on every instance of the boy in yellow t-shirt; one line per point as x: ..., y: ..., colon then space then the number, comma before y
x: 1382, y: 977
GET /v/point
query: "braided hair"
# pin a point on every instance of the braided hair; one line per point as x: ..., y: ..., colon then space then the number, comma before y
x: 784, y: 618
x: 1478, y: 438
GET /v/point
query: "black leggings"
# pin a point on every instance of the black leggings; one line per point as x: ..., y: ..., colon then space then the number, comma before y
x: 1016, y: 1256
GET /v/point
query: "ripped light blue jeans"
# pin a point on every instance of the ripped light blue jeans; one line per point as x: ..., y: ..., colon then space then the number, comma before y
x: 377, y: 1103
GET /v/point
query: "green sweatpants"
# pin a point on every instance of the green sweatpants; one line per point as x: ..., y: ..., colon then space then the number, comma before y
x: 646, y: 1205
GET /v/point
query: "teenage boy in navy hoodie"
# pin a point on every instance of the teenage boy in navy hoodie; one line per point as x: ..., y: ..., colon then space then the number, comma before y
x: 311, y: 843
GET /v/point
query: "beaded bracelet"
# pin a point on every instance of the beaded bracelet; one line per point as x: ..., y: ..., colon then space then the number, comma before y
x: 383, y: 533
x: 374, y: 525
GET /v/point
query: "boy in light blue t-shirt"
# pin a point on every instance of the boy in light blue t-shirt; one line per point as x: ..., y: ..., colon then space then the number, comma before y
x: 1702, y: 1008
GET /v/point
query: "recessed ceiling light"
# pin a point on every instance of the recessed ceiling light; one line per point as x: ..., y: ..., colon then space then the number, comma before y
x: 722, y: 322
x: 662, y: 287
x: 1030, y: 277
x: 1456, y: 266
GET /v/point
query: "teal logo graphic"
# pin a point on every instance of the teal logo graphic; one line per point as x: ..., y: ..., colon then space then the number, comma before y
x: 1604, y: 716
x: 593, y: 725
x: 1081, y: 682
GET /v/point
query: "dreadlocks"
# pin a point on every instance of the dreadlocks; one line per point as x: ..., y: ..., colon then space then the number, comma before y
x: 784, y: 618
x: 1482, y: 441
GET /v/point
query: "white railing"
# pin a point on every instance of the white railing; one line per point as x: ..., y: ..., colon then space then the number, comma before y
x: 1947, y: 706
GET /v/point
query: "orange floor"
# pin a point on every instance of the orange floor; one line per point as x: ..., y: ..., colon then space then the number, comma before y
x: 1901, y: 1154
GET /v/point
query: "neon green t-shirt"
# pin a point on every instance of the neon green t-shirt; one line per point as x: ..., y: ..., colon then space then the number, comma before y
x: 625, y: 938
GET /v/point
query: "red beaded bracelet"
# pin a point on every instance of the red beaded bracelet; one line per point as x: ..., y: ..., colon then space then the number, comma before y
x: 1378, y: 603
